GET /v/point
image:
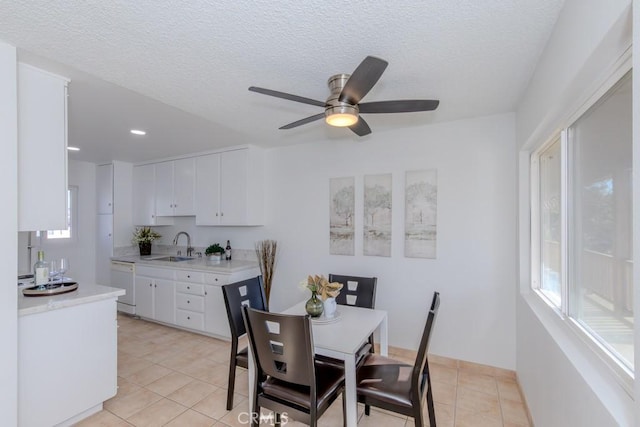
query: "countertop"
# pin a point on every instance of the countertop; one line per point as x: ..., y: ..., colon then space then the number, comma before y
x: 85, y: 293
x: 202, y: 264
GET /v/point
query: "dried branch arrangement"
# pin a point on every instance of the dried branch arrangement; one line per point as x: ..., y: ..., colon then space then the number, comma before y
x: 266, y: 250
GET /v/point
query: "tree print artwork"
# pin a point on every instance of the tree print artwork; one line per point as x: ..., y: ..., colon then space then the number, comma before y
x: 421, y: 192
x: 342, y: 204
x: 377, y: 215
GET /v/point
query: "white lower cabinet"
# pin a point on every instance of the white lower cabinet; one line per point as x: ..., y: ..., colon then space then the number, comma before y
x: 216, y: 321
x: 67, y: 363
x: 155, y: 294
x: 189, y: 299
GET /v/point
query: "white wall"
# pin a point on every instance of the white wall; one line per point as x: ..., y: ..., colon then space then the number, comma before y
x: 564, y: 383
x: 476, y: 252
x: 81, y: 250
x: 8, y: 233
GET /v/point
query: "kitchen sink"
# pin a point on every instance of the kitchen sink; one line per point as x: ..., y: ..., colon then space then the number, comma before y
x: 172, y: 258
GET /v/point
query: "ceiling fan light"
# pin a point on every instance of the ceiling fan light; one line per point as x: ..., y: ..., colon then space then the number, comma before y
x: 340, y: 114
x: 341, y: 119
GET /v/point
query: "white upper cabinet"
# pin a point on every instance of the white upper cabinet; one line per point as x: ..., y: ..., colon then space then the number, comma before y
x: 208, y: 190
x: 104, y: 189
x: 229, y: 188
x: 42, y: 150
x: 144, y: 200
x: 144, y: 197
x: 175, y: 187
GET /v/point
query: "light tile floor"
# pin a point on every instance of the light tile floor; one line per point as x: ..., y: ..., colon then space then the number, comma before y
x: 170, y: 377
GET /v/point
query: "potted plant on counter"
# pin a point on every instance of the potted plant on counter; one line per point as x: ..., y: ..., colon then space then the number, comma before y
x: 214, y: 252
x: 143, y: 236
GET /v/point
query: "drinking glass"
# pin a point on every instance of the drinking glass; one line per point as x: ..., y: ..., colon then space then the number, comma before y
x: 63, y: 267
x: 54, y: 270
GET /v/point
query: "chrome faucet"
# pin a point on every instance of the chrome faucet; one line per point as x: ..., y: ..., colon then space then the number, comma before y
x: 189, y: 248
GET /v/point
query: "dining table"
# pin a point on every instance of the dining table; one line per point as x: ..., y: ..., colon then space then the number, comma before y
x: 340, y: 337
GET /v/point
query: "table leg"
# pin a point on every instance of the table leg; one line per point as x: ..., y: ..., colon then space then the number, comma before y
x: 384, y: 337
x: 350, y: 391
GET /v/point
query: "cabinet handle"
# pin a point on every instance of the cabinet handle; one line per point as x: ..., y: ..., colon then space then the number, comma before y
x: 205, y: 292
x: 221, y: 213
x: 216, y: 213
x: 109, y: 204
x: 188, y: 302
x: 188, y: 287
x: 188, y: 317
x: 155, y: 286
x: 216, y: 279
x: 150, y: 285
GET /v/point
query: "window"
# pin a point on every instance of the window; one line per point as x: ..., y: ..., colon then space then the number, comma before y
x: 581, y: 224
x: 69, y: 232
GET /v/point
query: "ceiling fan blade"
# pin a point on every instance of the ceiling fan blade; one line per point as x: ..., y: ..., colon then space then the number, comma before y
x: 361, y: 128
x: 288, y: 96
x: 363, y: 79
x: 303, y: 121
x: 399, y: 106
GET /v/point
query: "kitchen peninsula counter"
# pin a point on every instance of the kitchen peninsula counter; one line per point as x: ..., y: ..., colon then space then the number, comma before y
x: 85, y: 293
x: 67, y: 354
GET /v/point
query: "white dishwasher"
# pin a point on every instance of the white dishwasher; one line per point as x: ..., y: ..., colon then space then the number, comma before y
x: 123, y: 277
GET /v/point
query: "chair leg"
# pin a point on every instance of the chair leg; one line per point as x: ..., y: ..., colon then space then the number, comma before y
x: 232, y: 383
x: 373, y: 344
x: 418, y: 419
x: 367, y: 410
x: 432, y: 412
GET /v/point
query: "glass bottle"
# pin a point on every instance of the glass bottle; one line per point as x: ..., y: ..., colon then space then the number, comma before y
x: 227, y: 252
x: 40, y: 271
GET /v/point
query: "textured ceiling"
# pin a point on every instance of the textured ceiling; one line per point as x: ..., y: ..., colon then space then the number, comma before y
x: 194, y: 60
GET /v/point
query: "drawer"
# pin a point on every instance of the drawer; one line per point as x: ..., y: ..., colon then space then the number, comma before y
x: 216, y: 279
x: 190, y: 319
x: 190, y: 302
x: 190, y: 288
x: 161, y: 273
x: 189, y: 276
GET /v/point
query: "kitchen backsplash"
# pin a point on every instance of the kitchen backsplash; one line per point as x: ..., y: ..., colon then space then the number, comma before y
x: 237, y: 254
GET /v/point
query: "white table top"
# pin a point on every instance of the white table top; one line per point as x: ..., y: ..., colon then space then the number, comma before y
x: 346, y: 334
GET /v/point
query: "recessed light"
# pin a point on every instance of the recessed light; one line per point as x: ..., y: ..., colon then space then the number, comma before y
x: 138, y: 132
x: 73, y: 148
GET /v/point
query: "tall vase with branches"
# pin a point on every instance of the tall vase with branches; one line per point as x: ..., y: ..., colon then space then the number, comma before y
x: 266, y: 250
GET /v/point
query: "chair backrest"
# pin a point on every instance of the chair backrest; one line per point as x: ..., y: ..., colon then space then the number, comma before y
x: 357, y: 291
x: 421, y: 367
x: 236, y: 295
x: 282, y: 345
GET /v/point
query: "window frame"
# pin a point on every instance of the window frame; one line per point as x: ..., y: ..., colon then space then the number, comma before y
x: 623, y: 375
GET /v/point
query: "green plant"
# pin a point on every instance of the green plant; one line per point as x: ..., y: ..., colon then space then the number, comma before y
x: 144, y: 235
x: 214, y: 249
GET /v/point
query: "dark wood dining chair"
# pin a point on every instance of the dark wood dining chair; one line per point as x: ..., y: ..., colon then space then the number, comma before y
x: 236, y: 295
x: 362, y: 293
x: 288, y: 380
x: 396, y: 386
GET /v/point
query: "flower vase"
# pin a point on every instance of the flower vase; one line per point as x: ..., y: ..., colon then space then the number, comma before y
x: 145, y: 248
x: 330, y: 307
x: 314, y: 305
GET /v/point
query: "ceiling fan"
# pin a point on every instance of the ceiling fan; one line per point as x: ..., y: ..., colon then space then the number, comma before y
x: 343, y: 107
